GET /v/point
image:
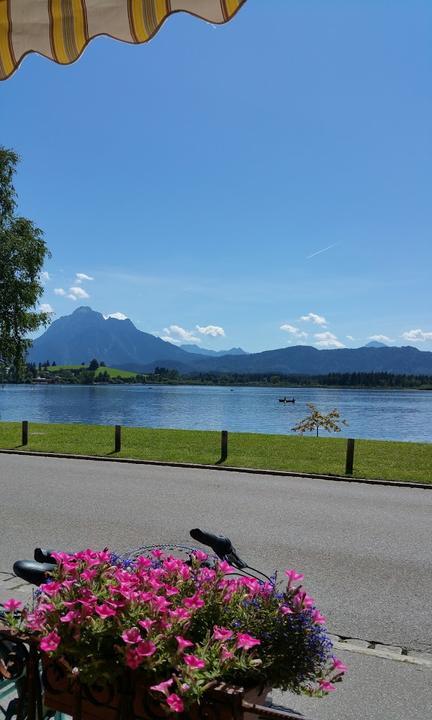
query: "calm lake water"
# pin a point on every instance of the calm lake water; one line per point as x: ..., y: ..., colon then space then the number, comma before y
x: 379, y: 414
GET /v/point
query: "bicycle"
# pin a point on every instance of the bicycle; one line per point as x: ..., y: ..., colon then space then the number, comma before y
x: 37, y: 571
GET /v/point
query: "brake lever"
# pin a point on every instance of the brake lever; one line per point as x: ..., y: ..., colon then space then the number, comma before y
x: 233, y: 559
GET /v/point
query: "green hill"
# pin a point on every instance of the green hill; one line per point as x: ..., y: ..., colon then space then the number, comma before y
x: 112, y: 372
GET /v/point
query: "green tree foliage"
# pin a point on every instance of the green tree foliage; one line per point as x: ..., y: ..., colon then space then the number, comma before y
x: 316, y: 420
x: 93, y: 364
x: 22, y: 254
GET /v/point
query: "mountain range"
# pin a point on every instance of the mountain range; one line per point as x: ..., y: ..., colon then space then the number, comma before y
x: 212, y: 353
x: 86, y: 334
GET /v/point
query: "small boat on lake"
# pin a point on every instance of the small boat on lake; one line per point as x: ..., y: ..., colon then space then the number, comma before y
x: 287, y: 400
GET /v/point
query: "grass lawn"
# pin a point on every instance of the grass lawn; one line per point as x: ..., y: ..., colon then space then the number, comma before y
x: 373, y: 458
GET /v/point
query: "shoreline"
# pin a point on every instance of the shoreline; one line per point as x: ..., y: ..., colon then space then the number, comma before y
x: 267, y: 386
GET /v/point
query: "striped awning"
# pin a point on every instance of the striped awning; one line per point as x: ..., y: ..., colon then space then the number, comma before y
x: 61, y: 29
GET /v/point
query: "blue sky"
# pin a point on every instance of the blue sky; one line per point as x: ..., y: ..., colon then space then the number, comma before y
x: 263, y: 183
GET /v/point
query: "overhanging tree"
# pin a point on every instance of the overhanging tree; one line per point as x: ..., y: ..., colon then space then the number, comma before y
x: 22, y: 254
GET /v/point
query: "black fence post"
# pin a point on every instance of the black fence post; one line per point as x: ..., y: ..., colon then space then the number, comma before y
x: 117, y: 438
x: 24, y: 432
x: 224, y: 445
x: 349, y: 463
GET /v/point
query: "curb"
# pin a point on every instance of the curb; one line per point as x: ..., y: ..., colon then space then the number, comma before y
x: 227, y: 468
x: 381, y: 650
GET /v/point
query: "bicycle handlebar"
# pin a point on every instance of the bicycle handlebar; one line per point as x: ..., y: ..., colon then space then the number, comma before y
x: 220, y: 545
x: 35, y: 571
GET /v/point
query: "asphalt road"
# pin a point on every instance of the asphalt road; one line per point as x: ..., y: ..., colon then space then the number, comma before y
x: 365, y: 550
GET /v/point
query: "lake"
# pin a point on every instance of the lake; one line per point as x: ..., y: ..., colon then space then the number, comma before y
x: 378, y: 414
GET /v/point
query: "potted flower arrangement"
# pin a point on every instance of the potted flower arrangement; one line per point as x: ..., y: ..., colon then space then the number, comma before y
x: 165, y: 631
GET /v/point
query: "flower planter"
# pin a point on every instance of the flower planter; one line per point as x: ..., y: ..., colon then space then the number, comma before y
x: 130, y: 700
x: 154, y: 628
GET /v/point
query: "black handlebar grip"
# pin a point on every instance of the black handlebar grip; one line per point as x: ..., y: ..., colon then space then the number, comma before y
x: 43, y: 555
x: 221, y: 545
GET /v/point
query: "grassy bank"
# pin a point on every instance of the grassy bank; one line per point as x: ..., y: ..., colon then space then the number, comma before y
x: 373, y: 458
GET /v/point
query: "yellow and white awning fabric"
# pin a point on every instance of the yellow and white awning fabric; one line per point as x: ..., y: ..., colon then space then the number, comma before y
x: 61, y: 29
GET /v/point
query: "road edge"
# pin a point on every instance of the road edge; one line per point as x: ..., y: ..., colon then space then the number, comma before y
x: 228, y: 468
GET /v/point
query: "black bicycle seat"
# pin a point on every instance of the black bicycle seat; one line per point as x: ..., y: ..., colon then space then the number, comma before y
x: 32, y: 572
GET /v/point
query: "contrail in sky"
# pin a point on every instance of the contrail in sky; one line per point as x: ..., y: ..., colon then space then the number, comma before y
x: 318, y: 252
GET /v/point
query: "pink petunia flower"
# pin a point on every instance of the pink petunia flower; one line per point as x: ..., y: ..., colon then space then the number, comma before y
x: 91, y: 557
x: 69, y: 616
x: 339, y: 665
x: 200, y: 555
x: 175, y: 702
x: 194, y: 602
x: 133, y: 659
x: 50, y: 642
x: 105, y: 610
x: 183, y: 643
x: 170, y: 590
x: 206, y: 574
x: 318, y: 618
x: 171, y: 564
x: 184, y: 572
x: 326, y: 685
x: 155, y: 584
x: 293, y: 576
x: 162, y: 687
x: 146, y: 624
x: 226, y: 654
x: 159, y: 603
x: 47, y: 607
x: 143, y: 562
x: 34, y: 621
x: 194, y: 662
x: 89, y: 574
x: 132, y: 636
x: 302, y: 601
x: 246, y: 641
x: 51, y: 588
x: 285, y: 610
x: 12, y: 605
x: 179, y: 614
x: 146, y: 648
x: 158, y: 553
x: 68, y: 584
x: 221, y: 633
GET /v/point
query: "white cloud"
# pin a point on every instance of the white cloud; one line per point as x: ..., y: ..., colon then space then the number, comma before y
x: 46, y: 307
x: 169, y: 339
x: 116, y: 316
x: 327, y: 340
x: 416, y: 335
x: 80, y: 277
x: 380, y: 338
x: 77, y: 293
x: 350, y: 337
x: 294, y: 331
x: 175, y: 333
x: 213, y: 330
x: 44, y: 276
x: 315, y: 319
x: 59, y: 291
